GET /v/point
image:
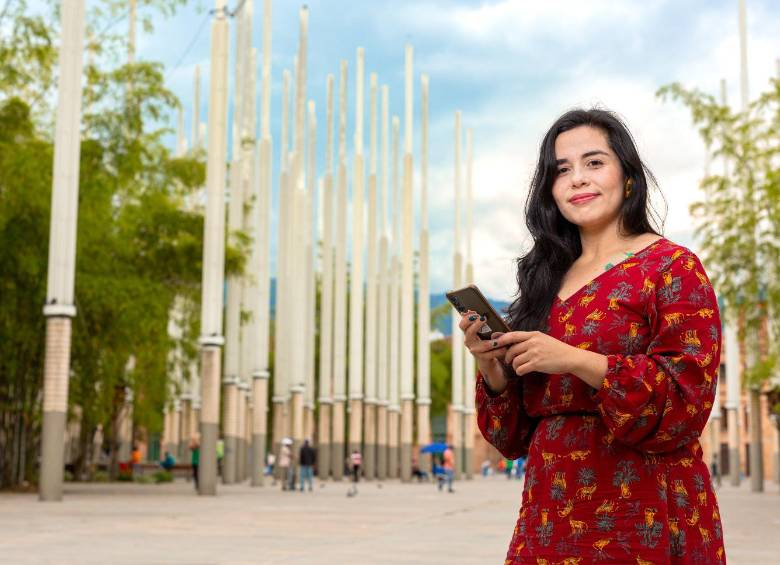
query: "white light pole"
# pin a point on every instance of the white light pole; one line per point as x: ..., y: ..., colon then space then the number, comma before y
x: 324, y: 432
x: 310, y: 227
x: 456, y: 408
x: 60, y: 307
x: 371, y: 295
x: 394, y: 381
x: 211, y: 339
x: 384, y: 303
x: 340, y: 298
x: 424, y: 305
x: 282, y: 323
x: 407, y: 279
x: 356, y: 273
x: 260, y: 265
x: 232, y: 373
x: 469, y: 412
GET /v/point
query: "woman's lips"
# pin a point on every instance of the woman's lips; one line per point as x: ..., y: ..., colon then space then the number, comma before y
x: 583, y: 198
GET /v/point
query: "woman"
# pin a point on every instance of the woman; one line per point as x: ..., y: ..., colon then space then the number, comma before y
x: 608, y: 378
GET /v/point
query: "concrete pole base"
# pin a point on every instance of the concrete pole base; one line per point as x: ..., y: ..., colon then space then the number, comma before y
x: 323, y: 442
x: 337, y: 451
x: 734, y: 459
x: 369, y: 458
x: 229, y: 461
x: 258, y: 460
x: 207, y: 470
x: 457, y: 443
x: 423, y: 436
x: 393, y: 449
x: 469, y: 427
x: 356, y: 426
x: 381, y: 447
x: 407, y: 425
x: 52, y: 457
x: 756, y: 443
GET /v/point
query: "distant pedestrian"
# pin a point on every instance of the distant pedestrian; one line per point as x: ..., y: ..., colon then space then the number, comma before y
x: 270, y: 466
x: 168, y: 461
x: 307, y: 458
x: 220, y: 455
x: 485, y: 467
x: 136, y: 460
x: 448, y: 458
x: 356, y: 461
x: 195, y: 459
x: 285, y: 463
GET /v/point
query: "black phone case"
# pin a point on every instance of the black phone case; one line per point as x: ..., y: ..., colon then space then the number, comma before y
x: 470, y: 298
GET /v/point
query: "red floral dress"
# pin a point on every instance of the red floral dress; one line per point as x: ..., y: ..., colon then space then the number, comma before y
x: 616, y: 475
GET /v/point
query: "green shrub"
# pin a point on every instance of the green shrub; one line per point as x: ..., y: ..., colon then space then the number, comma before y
x: 163, y: 477
x: 100, y: 477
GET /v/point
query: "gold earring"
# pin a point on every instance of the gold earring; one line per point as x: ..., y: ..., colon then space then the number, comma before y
x: 629, y: 187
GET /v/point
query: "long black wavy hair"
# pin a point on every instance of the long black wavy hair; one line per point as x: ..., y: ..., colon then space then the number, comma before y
x: 556, y: 240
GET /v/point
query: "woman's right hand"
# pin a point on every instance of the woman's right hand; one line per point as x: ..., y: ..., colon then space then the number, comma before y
x: 487, y: 355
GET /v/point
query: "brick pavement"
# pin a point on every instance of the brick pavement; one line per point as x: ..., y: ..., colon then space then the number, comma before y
x: 167, y: 524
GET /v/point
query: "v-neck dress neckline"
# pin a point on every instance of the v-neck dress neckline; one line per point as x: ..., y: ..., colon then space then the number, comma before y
x: 559, y: 300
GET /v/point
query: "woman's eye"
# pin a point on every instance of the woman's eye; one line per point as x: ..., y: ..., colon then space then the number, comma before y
x: 562, y: 170
x: 595, y: 163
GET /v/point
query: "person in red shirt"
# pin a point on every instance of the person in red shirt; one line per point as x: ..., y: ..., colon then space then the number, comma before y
x: 609, y: 375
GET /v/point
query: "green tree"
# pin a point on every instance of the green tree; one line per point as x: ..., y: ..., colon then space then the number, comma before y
x: 738, y: 223
x: 139, y: 245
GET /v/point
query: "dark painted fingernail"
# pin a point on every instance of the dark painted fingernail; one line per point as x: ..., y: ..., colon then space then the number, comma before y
x: 472, y: 318
x: 495, y: 344
x: 482, y: 318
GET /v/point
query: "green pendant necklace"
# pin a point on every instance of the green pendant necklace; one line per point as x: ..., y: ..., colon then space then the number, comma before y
x: 608, y: 266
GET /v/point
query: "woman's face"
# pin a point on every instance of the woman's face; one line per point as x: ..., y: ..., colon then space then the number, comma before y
x: 589, y: 187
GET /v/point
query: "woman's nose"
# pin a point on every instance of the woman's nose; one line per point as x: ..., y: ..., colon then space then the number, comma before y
x: 578, y: 177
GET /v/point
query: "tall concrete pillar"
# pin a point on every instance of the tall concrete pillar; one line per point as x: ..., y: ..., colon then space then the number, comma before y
x: 211, y: 339
x: 260, y: 264
x: 457, y: 347
x: 60, y: 307
x: 394, y: 394
x: 383, y: 368
x: 324, y: 431
x: 732, y: 400
x: 407, y: 279
x: 283, y: 282
x: 356, y: 273
x: 424, y: 306
x: 340, y: 290
x: 310, y: 227
x: 469, y: 365
x: 372, y: 289
x: 297, y: 310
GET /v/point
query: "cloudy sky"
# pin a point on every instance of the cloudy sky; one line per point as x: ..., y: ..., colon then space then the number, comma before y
x: 511, y: 67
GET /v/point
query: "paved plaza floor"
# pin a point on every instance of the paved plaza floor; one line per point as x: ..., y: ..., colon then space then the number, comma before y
x: 414, y: 523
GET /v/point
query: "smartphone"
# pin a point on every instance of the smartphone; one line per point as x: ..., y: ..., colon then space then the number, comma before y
x: 470, y: 298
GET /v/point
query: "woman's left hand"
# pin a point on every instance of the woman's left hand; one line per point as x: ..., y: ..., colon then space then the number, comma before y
x: 537, y: 352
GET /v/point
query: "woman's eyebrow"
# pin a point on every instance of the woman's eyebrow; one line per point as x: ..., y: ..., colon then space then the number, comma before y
x: 594, y: 152
x: 584, y: 156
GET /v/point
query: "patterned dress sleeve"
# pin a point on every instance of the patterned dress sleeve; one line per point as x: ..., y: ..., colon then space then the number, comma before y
x: 660, y: 400
x: 502, y: 418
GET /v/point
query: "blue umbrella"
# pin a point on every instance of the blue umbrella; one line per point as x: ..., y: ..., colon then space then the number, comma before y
x: 434, y: 448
